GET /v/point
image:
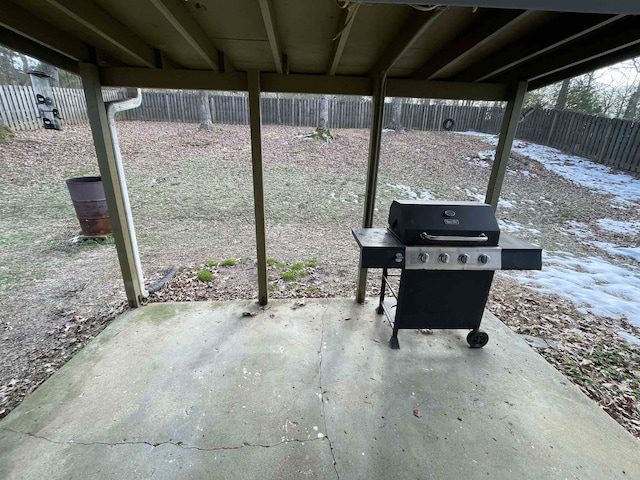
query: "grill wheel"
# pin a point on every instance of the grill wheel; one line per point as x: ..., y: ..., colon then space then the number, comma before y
x: 477, y: 338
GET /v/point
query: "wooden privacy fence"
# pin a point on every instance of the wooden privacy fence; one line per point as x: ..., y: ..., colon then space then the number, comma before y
x: 613, y: 142
x: 19, y: 111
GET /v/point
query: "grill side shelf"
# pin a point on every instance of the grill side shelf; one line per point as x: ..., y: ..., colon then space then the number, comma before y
x: 379, y: 248
x: 519, y: 255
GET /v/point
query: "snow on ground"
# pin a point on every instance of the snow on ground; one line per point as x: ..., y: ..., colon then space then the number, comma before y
x: 630, y: 228
x: 576, y: 169
x: 591, y: 283
x: 408, y: 191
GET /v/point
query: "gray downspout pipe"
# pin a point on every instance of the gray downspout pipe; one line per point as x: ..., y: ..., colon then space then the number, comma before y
x: 112, y: 108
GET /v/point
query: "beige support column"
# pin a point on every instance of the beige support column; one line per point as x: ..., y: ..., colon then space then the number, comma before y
x: 375, y: 136
x: 112, y: 187
x: 253, y: 77
x: 507, y: 134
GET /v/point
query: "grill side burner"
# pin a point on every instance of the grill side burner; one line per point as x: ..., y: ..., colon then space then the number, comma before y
x: 446, y: 267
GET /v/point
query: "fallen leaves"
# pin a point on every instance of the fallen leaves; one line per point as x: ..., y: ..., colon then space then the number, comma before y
x: 585, y: 347
x: 298, y: 304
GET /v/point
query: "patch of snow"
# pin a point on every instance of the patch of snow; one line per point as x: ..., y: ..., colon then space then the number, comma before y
x: 591, y: 283
x: 404, y: 189
x: 600, y: 178
x: 487, y: 155
x: 477, y: 196
x: 426, y: 196
x: 410, y: 193
x: 579, y: 229
x: 615, y: 250
x: 509, y: 226
x: 615, y: 226
x: 629, y: 338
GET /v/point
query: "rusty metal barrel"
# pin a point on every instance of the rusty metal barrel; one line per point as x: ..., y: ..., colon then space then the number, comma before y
x: 90, y: 203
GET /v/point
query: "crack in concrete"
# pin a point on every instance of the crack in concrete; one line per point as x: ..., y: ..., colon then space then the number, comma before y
x: 322, y: 398
x: 157, y: 444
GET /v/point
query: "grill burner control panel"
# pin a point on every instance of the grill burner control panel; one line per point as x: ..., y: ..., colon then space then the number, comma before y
x: 453, y: 258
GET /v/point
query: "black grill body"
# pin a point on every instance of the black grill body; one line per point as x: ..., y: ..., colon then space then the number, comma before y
x: 447, y: 254
x: 418, y: 223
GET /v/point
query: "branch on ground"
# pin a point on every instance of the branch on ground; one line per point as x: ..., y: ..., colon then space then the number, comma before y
x: 321, y: 134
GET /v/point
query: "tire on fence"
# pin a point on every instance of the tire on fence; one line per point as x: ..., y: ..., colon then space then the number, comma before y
x: 448, y: 124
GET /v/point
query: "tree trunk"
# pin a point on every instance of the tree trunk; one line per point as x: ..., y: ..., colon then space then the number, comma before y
x: 632, y: 106
x: 561, y: 101
x: 323, y: 117
x: 52, y: 71
x: 205, y: 113
x: 322, y: 130
x: 396, y: 114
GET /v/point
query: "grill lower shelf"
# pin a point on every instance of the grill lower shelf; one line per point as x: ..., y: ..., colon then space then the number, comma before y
x: 435, y: 299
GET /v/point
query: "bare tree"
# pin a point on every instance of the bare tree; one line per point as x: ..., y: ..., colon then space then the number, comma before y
x: 52, y: 71
x: 396, y: 114
x: 563, y: 94
x: 205, y: 113
x: 322, y: 130
x: 632, y: 107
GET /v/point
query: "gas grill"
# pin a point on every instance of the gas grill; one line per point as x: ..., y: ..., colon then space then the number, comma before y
x: 447, y: 254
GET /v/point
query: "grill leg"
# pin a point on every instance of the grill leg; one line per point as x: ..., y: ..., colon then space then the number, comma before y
x: 393, y: 341
x: 380, y: 310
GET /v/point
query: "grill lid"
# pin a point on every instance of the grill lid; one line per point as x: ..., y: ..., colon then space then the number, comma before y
x: 443, y: 223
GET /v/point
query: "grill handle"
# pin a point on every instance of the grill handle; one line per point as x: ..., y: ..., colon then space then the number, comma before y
x: 451, y: 238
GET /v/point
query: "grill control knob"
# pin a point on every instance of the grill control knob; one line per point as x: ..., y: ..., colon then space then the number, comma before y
x: 443, y: 258
x: 483, y: 258
x: 463, y: 258
x: 399, y: 258
x: 423, y: 257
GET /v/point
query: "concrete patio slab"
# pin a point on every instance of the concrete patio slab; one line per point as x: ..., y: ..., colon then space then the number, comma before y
x: 196, y: 390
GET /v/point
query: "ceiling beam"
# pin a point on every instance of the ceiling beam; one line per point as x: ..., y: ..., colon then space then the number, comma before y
x: 617, y: 36
x: 397, y: 87
x: 17, y: 42
x: 347, y: 19
x: 22, y: 22
x: 411, y: 31
x: 315, y: 84
x: 179, y: 79
x: 584, y: 6
x: 558, y: 32
x: 182, y: 22
x: 487, y: 28
x: 272, y: 33
x: 586, y: 67
x: 94, y: 18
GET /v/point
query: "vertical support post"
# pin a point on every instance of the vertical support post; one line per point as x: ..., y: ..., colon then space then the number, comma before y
x: 253, y: 77
x: 379, y: 87
x: 507, y: 134
x: 111, y: 181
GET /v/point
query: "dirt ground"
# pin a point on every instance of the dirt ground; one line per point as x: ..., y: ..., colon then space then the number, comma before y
x: 192, y: 199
